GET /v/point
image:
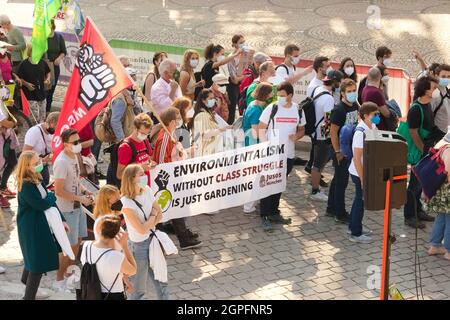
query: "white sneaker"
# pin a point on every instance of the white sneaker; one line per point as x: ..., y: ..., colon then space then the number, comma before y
x: 319, y: 196
x: 59, y: 286
x: 361, y: 239
x: 42, y: 294
x: 364, y: 231
x: 249, y: 210
x: 2, y: 270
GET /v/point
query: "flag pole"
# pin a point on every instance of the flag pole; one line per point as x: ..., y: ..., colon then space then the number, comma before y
x: 139, y: 91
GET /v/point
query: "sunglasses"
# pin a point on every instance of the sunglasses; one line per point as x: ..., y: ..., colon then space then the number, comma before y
x: 75, y: 142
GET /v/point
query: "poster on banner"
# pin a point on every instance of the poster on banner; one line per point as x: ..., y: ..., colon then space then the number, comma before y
x: 220, y: 181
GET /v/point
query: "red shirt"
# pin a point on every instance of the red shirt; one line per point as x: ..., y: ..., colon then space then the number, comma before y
x: 143, y: 154
x: 85, y: 135
x: 163, y: 148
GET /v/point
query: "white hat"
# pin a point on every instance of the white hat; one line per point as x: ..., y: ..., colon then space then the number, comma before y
x: 447, y: 136
x: 220, y: 79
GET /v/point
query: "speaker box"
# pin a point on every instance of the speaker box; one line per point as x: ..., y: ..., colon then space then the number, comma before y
x: 385, y: 156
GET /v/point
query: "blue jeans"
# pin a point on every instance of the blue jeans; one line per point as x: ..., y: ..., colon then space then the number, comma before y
x: 144, y: 273
x: 336, y: 195
x: 357, y: 213
x: 441, y: 231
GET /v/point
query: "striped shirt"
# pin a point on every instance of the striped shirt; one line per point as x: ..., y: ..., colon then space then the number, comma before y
x: 163, y: 148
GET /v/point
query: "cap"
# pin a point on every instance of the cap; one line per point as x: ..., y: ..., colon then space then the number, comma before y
x: 220, y: 79
x: 261, y: 57
x: 334, y: 75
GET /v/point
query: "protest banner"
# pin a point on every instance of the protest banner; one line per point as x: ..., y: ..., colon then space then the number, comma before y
x: 220, y: 181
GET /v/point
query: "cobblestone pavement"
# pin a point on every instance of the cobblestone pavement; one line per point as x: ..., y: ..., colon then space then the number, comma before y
x: 312, y: 258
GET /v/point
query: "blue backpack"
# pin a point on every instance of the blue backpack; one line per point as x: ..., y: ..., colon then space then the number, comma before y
x: 346, y: 139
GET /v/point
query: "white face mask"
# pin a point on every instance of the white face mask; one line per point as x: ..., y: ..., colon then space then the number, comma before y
x: 194, y: 63
x: 76, y: 148
x: 190, y: 113
x: 223, y: 89
x: 220, y: 58
x: 385, y: 79
x: 387, y: 62
x: 295, y: 60
x: 141, y: 136
x: 179, y: 123
x: 349, y: 71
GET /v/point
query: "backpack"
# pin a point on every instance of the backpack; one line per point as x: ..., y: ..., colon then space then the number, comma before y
x: 102, y: 125
x: 346, y: 139
x: 90, y: 284
x: 308, y: 107
x: 362, y: 85
x: 285, y: 67
x: 443, y: 97
x: 114, y: 162
x: 272, y: 116
x: 242, y: 101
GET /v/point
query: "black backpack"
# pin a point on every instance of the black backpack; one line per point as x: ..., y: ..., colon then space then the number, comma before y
x: 443, y: 97
x: 308, y: 107
x: 90, y: 284
x: 242, y: 102
x: 114, y: 159
x: 272, y: 116
x: 285, y: 67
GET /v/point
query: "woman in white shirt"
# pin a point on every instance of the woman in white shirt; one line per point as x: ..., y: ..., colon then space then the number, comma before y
x: 370, y: 117
x: 111, y: 264
x: 142, y: 214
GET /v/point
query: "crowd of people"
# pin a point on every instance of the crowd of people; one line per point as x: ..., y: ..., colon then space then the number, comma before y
x: 192, y: 113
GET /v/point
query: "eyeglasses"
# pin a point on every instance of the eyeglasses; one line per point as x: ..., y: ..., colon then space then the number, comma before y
x: 75, y: 142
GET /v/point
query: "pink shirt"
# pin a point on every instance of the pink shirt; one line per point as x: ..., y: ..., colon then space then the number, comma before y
x: 160, y: 95
x: 6, y: 69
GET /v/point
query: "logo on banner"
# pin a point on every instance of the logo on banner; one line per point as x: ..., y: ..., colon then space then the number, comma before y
x: 163, y: 196
x: 262, y: 181
x: 96, y: 76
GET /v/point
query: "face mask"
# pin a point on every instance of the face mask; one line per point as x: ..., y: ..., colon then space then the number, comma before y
x: 190, y: 113
x: 385, y: 79
x: 117, y: 206
x: 39, y: 168
x: 220, y: 58
x: 223, y: 89
x: 282, y: 101
x: 141, y: 136
x: 351, y: 97
x: 349, y: 71
x: 376, y: 119
x: 143, y: 181
x: 242, y: 45
x: 269, y: 101
x: 387, y: 62
x: 211, y: 103
x: 179, y: 123
x: 76, y: 148
x: 444, y: 82
x: 51, y: 130
x: 194, y: 63
x: 295, y: 60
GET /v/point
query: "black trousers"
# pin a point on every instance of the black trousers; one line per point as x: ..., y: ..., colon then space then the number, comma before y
x: 31, y: 281
x: 233, y: 96
x: 179, y: 226
x: 10, y: 165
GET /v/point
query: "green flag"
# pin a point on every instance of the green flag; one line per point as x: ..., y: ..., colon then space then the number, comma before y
x: 44, y: 12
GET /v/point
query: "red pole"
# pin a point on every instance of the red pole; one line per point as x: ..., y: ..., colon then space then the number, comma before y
x: 385, y: 258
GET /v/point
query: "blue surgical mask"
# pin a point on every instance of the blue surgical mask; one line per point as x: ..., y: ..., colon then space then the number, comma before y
x: 352, y: 97
x: 211, y: 103
x: 143, y: 181
x: 376, y: 119
x: 444, y: 82
x: 281, y: 101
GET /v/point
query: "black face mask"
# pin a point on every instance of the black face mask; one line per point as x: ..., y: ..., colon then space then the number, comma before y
x: 117, y: 206
x: 51, y: 130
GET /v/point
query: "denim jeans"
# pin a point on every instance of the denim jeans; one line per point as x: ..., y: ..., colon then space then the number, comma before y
x: 441, y: 231
x: 413, y: 197
x: 144, y: 273
x: 269, y: 206
x: 357, y: 213
x: 336, y: 195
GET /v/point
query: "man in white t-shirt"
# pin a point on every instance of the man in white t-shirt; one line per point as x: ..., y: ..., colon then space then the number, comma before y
x: 323, y: 103
x: 39, y: 139
x: 283, y: 127
x: 287, y: 71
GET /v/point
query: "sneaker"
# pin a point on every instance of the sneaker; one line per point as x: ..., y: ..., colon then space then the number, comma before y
x: 2, y: 270
x: 447, y: 256
x: 267, y: 225
x: 423, y: 216
x: 192, y: 234
x: 436, y: 251
x: 319, y: 196
x: 280, y: 220
x: 364, y: 231
x: 4, y: 203
x: 251, y: 210
x: 42, y: 294
x: 59, y: 286
x: 7, y: 193
x: 413, y: 223
x: 322, y: 183
x: 361, y: 239
x: 300, y: 162
x: 190, y: 243
x: 345, y: 218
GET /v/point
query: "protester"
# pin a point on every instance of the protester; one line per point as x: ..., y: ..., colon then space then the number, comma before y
x: 215, y: 58
x: 166, y: 89
x: 34, y: 79
x: 188, y: 84
x: 219, y: 88
x: 420, y: 122
x: 345, y: 113
x: 252, y: 72
x: 282, y: 127
x: 348, y: 69
x: 86, y: 158
x: 262, y: 96
x: 6, y: 75
x: 441, y: 101
x: 287, y: 71
x: 112, y: 263
x: 39, y: 139
x: 70, y: 194
x: 266, y: 72
x: 324, y: 103
x: 39, y: 249
x: 55, y: 55
x: 16, y: 41
x: 369, y: 115
x: 384, y: 56
x: 142, y: 214
x: 137, y: 106
x: 182, y: 134
x: 153, y: 74
x: 166, y: 150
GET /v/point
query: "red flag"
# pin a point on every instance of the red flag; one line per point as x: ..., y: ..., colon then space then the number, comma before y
x: 97, y: 78
x: 25, y: 104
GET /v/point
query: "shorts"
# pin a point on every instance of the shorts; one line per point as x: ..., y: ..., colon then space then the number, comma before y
x: 322, y: 152
x: 78, y: 225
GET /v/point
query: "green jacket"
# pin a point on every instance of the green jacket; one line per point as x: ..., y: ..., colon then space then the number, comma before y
x: 39, y: 247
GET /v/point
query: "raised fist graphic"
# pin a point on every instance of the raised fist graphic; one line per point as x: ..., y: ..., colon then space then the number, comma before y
x: 96, y: 77
x: 162, y: 180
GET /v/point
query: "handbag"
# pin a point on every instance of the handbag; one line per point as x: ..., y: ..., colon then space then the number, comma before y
x: 430, y: 171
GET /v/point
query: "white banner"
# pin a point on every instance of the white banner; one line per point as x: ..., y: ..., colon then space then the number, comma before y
x: 220, y: 181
